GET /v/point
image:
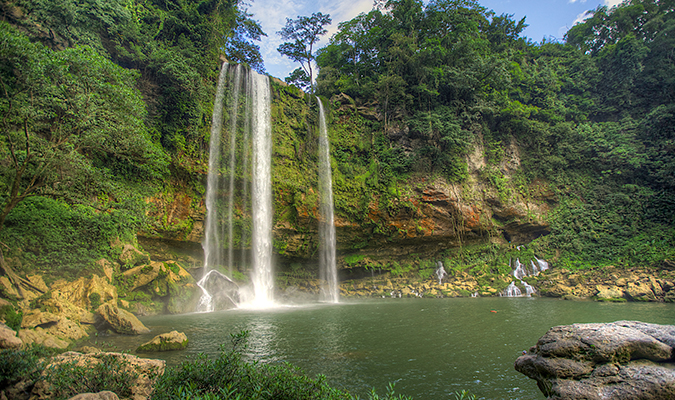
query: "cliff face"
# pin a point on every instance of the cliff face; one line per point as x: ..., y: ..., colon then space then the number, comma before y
x: 420, y: 214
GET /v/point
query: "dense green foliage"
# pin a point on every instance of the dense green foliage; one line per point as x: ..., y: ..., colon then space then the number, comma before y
x: 593, y: 115
x: 101, y: 103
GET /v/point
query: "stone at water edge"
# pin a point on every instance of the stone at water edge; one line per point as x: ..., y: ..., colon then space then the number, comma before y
x: 8, y: 339
x: 614, y: 361
x: 121, y: 321
x: 173, y: 340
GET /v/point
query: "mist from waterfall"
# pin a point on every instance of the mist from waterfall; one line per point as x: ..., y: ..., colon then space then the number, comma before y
x: 327, y: 264
x: 249, y: 143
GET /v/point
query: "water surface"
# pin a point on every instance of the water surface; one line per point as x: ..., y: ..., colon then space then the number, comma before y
x: 429, y: 347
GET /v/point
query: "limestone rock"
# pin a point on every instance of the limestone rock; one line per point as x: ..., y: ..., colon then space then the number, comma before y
x: 34, y: 318
x: 132, y: 257
x: 609, y: 292
x: 121, y: 321
x: 79, y: 292
x: 42, y: 337
x: 147, y: 369
x: 106, y: 267
x: 8, y: 339
x: 640, y: 291
x: 614, y: 361
x: 104, y: 395
x: 142, y: 275
x: 173, y: 340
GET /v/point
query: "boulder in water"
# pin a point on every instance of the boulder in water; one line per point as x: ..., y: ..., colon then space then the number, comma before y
x: 224, y: 292
x: 173, y: 340
x: 614, y: 361
x: 121, y: 321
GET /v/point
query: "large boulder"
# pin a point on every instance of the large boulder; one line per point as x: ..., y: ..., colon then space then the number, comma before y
x: 614, y: 361
x: 8, y: 339
x: 121, y: 321
x: 86, y: 293
x: 173, y: 340
x: 42, y: 337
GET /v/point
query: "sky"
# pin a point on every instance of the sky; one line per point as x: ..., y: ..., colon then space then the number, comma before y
x: 546, y: 18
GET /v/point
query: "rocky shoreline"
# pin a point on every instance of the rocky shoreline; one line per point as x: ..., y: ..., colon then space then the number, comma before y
x: 62, y: 313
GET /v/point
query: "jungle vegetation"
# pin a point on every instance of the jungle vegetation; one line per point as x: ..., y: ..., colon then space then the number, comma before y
x: 105, y: 103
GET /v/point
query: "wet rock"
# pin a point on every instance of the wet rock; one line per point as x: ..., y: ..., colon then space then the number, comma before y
x: 173, y: 340
x: 121, y: 321
x: 614, y: 361
x: 609, y: 292
x: 639, y: 291
x: 8, y: 338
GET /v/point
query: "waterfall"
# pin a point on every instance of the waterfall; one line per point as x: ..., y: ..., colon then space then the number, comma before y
x: 327, y: 265
x: 211, y: 246
x: 234, y: 112
x: 263, y: 282
x: 520, y: 272
x: 512, y: 291
x: 255, y: 142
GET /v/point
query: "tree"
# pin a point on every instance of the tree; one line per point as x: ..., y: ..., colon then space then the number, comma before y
x: 303, y: 32
x: 72, y: 125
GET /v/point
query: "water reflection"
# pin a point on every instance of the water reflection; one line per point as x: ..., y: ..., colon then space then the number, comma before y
x: 430, y: 347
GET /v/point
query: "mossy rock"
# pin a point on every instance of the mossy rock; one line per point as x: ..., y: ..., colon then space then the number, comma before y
x: 173, y: 340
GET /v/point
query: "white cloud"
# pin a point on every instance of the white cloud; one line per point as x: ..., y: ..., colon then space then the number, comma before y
x: 582, y: 17
x: 612, y: 3
x: 577, y: 1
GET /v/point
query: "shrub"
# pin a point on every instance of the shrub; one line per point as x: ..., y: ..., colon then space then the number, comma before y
x: 111, y: 372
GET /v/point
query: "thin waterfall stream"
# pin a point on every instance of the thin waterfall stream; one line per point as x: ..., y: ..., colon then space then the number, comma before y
x: 327, y: 264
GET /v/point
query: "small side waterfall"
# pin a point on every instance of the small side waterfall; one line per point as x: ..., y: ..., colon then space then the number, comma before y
x: 252, y: 142
x: 327, y: 264
x: 519, y: 272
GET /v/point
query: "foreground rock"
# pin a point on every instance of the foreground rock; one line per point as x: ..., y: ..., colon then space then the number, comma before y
x: 8, y: 339
x: 614, y: 361
x: 104, y: 395
x: 144, y: 372
x: 173, y: 340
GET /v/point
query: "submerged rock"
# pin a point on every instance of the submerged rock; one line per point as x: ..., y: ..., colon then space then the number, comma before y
x: 614, y: 361
x: 173, y: 340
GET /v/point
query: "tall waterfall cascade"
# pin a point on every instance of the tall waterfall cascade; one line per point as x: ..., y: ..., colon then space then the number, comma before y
x: 327, y: 264
x: 237, y: 155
